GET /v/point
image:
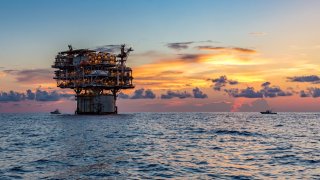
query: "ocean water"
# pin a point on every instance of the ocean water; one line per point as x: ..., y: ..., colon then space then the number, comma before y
x: 160, y: 146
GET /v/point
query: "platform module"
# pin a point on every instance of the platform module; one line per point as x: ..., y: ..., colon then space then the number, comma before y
x: 96, y: 77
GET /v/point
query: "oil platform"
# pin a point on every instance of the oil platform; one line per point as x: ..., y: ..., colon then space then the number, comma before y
x: 96, y: 77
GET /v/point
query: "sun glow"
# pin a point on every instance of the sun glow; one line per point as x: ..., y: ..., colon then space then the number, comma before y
x: 231, y: 60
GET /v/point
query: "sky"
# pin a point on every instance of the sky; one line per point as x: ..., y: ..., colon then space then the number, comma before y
x: 190, y: 55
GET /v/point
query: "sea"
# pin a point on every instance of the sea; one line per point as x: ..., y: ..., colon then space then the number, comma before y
x: 160, y: 146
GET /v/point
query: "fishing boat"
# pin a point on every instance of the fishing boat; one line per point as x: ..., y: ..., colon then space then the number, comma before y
x: 268, y: 112
x: 55, y: 112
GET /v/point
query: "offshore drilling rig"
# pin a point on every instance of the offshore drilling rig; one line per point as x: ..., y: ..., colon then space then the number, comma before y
x: 96, y: 77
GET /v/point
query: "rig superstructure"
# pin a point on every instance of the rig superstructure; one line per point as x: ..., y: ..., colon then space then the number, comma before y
x: 96, y: 77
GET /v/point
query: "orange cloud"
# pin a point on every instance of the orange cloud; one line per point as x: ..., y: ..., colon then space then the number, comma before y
x: 188, y: 69
x: 2, y: 74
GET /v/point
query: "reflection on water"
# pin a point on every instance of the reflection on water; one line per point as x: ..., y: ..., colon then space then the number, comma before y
x: 160, y: 145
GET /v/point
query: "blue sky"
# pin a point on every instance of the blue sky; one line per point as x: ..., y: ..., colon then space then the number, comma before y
x: 45, y: 26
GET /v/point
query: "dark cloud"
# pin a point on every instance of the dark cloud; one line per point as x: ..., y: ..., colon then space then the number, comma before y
x: 265, y: 84
x: 185, y: 45
x: 265, y: 91
x: 67, y: 96
x: 249, y: 92
x: 191, y: 57
x: 310, y: 92
x: 31, y: 75
x: 143, y: 94
x: 304, y: 94
x: 219, y: 82
x: 108, y: 48
x: 222, y: 81
x: 30, y: 95
x: 9, y: 71
x: 179, y: 45
x: 197, y: 93
x: 273, y: 91
x: 311, y: 78
x: 176, y: 94
x: 236, y: 49
x: 244, y: 50
x: 46, y: 96
x: 283, y: 93
x: 38, y: 95
x: 233, y: 82
x: 41, y: 95
x: 11, y: 96
x: 314, y: 92
x: 121, y: 95
x: 149, y: 94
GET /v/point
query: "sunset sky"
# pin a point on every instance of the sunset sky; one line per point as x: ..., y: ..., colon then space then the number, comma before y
x: 193, y: 55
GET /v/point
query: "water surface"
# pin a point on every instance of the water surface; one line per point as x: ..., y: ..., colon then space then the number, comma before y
x: 160, y: 145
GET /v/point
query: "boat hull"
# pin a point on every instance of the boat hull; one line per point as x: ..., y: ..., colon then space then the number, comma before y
x: 267, y: 113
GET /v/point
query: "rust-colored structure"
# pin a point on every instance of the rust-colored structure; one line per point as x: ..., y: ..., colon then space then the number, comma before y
x: 96, y: 77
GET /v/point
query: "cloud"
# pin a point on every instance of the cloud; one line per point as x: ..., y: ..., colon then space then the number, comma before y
x: 310, y: 78
x: 11, y: 96
x: 179, y: 45
x: 143, y: 94
x: 219, y: 82
x: 266, y: 91
x: 195, y: 68
x: 38, y: 95
x: 265, y: 84
x: 310, y: 92
x: 235, y: 49
x: 233, y: 82
x: 171, y: 72
x: 67, y: 96
x: 185, y: 45
x: 108, y: 48
x: 30, y: 95
x: 249, y: 92
x: 47, y: 96
x: 191, y: 57
x: 176, y: 94
x: 273, y: 91
x: 42, y: 95
x: 149, y: 94
x: 197, y: 93
x: 31, y: 75
x: 314, y: 92
x: 121, y: 95
x: 304, y: 94
x: 222, y: 81
x: 2, y: 74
